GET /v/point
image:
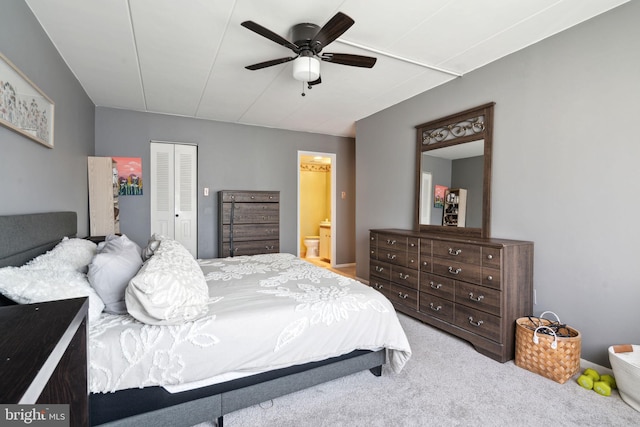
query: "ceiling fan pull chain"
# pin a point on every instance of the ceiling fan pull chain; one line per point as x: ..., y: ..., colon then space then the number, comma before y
x: 303, y: 94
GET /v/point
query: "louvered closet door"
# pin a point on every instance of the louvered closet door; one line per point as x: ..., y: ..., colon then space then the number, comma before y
x: 174, y: 197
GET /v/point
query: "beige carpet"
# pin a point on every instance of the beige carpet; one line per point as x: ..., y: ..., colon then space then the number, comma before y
x: 446, y: 383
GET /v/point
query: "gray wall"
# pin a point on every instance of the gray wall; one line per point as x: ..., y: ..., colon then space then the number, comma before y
x: 565, y: 169
x: 230, y: 157
x: 36, y: 178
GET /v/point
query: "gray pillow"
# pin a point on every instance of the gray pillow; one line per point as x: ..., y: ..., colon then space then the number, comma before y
x: 117, y: 261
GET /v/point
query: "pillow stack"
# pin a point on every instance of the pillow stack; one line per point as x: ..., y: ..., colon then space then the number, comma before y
x: 117, y: 260
x: 169, y: 289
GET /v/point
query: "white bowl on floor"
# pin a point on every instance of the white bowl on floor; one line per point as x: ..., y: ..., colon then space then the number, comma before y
x: 626, y: 370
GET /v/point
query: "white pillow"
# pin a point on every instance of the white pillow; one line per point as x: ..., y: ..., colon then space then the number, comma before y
x: 28, y: 285
x: 169, y: 289
x: 117, y: 261
x: 74, y: 254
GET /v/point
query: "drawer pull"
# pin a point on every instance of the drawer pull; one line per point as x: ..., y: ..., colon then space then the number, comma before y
x: 269, y: 248
x: 435, y: 286
x: 438, y: 308
x: 373, y: 238
x: 456, y: 271
x: 489, y: 278
x: 378, y: 286
x: 477, y: 299
x: 403, y: 276
x: 391, y: 242
x: 379, y: 269
x: 403, y: 296
x: 489, y: 256
x: 425, y: 263
x: 456, y: 252
x: 390, y: 256
x: 478, y: 323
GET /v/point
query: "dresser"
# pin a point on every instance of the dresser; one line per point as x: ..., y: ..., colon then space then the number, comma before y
x: 248, y: 222
x: 474, y: 289
x: 43, y: 348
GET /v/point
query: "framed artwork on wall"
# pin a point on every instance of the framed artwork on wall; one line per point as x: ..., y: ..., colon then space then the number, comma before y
x: 129, y: 171
x: 24, y: 108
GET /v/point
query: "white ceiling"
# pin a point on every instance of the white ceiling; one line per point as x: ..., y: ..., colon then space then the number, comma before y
x: 187, y: 57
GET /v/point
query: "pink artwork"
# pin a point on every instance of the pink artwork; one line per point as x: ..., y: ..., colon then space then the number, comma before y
x: 129, y: 175
x: 438, y: 196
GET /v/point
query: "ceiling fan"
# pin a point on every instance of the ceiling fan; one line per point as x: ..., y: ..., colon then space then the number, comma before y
x: 308, y: 42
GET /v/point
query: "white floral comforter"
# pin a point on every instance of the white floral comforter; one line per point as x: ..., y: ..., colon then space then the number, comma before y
x: 265, y: 312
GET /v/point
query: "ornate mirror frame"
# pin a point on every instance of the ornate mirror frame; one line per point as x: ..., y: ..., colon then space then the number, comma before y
x: 467, y: 126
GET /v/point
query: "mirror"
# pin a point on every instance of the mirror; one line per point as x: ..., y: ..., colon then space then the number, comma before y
x: 453, y: 173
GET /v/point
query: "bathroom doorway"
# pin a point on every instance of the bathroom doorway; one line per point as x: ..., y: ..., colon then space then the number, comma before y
x: 316, y: 206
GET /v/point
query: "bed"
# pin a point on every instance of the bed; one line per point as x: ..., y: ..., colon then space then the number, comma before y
x: 193, y: 371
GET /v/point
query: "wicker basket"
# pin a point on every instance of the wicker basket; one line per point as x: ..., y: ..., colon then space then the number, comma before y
x: 553, y: 357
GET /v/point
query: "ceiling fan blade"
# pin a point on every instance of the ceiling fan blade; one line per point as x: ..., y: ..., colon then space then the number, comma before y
x: 347, y: 59
x: 259, y: 29
x: 266, y: 64
x: 332, y: 30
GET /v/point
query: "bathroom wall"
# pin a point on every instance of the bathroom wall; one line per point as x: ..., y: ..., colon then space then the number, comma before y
x: 315, y: 199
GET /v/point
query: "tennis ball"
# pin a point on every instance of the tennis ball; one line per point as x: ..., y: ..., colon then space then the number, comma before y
x: 609, y: 380
x: 602, y: 388
x: 592, y: 373
x: 585, y: 381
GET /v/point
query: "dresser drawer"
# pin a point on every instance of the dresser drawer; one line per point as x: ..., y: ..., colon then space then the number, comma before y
x: 413, y: 247
x: 257, y: 197
x: 404, y: 296
x: 391, y: 256
x: 437, y: 307
x: 491, y: 257
x: 478, y: 322
x: 389, y: 241
x: 458, y: 252
x: 458, y: 271
x: 251, y: 213
x: 478, y: 297
x: 380, y: 285
x: 426, y: 263
x: 251, y: 231
x: 405, y: 276
x: 379, y: 269
x: 437, y: 286
x: 491, y: 278
x: 252, y: 247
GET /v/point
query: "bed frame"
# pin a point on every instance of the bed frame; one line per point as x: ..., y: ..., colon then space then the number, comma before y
x: 23, y: 237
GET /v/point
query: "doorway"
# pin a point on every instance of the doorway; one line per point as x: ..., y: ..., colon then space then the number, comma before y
x: 174, y: 192
x: 316, y: 204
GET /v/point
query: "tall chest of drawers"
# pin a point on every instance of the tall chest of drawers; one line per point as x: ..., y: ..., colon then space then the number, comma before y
x: 472, y: 288
x: 248, y: 222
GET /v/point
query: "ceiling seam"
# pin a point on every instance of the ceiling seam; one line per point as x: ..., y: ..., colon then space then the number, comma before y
x: 137, y: 56
x: 494, y: 35
x: 215, y: 58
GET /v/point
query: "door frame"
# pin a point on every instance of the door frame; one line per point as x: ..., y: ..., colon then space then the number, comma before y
x: 333, y: 157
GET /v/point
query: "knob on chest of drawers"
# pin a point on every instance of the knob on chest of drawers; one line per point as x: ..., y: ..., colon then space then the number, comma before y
x: 456, y: 271
x: 477, y: 299
x: 434, y: 308
x: 425, y: 263
x: 478, y: 323
x: 489, y: 277
x: 489, y: 256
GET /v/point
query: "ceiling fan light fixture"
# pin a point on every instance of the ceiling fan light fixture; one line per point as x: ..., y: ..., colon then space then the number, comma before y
x: 306, y: 68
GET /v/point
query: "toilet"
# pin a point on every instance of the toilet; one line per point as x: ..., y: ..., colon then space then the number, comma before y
x: 311, y: 243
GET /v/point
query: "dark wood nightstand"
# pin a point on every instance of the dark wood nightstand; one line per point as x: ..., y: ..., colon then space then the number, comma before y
x: 43, y: 355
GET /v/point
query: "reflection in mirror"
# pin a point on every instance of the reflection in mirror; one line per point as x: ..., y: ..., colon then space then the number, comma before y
x: 454, y: 167
x: 454, y: 152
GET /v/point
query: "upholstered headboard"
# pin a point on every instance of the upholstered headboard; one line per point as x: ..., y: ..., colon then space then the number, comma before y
x: 23, y: 237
